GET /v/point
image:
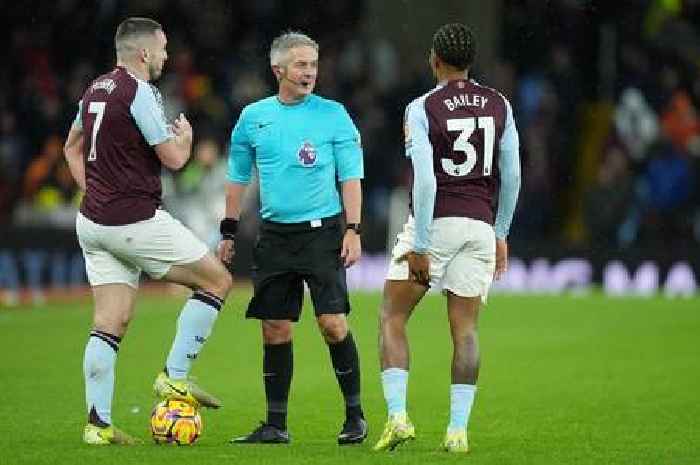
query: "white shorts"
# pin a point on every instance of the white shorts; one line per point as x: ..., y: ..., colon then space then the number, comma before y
x: 462, y: 255
x: 118, y: 254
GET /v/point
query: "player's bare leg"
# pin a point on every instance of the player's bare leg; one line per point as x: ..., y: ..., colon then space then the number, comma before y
x: 211, y: 283
x: 114, y: 307
x: 207, y: 274
x: 346, y: 364
x: 400, y: 298
x: 463, y: 314
x: 278, y: 365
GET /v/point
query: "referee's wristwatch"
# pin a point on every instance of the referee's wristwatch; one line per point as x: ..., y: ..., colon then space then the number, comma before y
x: 357, y: 227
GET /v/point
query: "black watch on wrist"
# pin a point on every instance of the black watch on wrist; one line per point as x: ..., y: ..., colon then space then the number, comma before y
x: 357, y: 227
x: 228, y: 228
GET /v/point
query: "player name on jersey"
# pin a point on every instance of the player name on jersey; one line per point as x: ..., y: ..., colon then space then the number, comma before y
x: 465, y: 100
x: 107, y: 85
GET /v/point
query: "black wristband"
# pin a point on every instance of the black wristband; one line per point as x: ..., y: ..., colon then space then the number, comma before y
x: 228, y: 228
x: 357, y: 227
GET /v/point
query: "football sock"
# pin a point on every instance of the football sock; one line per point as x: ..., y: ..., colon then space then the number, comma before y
x: 278, y: 363
x: 98, y: 367
x: 346, y: 364
x: 193, y: 328
x: 461, y: 401
x: 394, y: 382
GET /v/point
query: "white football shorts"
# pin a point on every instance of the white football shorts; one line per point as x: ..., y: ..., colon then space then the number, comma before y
x: 118, y: 254
x: 462, y: 255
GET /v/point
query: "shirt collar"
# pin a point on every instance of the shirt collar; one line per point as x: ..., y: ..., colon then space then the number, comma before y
x: 295, y: 104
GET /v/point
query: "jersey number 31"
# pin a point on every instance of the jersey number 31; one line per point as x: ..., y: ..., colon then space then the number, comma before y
x: 466, y: 127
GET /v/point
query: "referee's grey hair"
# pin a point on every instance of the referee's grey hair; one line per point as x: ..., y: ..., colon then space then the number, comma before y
x: 286, y: 41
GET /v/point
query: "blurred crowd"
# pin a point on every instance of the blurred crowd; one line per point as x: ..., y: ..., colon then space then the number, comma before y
x: 606, y: 97
x: 605, y: 103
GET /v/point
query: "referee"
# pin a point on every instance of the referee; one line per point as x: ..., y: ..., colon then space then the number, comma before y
x: 302, y: 146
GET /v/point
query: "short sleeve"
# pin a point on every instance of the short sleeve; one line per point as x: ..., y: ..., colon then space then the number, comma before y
x: 240, y: 157
x: 347, y: 147
x: 147, y: 110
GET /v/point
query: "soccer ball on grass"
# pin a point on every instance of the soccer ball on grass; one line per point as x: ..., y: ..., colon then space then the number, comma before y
x: 175, y: 422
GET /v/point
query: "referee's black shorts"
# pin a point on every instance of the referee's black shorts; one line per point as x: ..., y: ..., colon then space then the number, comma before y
x: 287, y: 255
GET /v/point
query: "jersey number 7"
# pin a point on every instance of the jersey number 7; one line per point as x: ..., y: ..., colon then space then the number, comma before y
x: 466, y: 127
x: 97, y: 108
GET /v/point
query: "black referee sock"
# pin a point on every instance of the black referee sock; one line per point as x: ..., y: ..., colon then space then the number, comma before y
x: 347, y: 370
x: 278, y: 364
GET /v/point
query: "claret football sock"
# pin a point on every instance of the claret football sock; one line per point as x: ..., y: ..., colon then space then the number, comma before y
x: 98, y: 367
x: 278, y: 363
x: 193, y: 328
x: 394, y: 383
x: 346, y: 364
x: 461, y: 401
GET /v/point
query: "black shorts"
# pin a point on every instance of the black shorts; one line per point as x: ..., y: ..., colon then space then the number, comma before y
x: 287, y: 255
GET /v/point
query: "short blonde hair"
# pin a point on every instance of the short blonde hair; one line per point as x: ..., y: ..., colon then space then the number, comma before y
x: 286, y: 41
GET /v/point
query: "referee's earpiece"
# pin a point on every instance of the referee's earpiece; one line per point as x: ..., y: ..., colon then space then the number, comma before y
x: 284, y: 76
x: 277, y: 72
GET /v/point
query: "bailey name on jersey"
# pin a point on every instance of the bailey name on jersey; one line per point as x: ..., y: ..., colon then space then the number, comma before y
x: 465, y: 100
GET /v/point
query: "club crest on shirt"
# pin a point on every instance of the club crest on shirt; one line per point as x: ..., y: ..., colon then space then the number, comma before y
x: 307, y: 155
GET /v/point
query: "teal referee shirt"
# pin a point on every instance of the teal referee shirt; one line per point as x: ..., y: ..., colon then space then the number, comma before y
x: 300, y: 152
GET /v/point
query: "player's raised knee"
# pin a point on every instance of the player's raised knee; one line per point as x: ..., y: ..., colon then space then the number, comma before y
x: 219, y: 282
x: 224, y: 282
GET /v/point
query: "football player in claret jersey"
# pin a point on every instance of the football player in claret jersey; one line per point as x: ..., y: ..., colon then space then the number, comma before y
x: 463, y: 146
x: 115, y: 150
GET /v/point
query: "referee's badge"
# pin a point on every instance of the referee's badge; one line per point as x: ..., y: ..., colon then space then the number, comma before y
x: 307, y: 155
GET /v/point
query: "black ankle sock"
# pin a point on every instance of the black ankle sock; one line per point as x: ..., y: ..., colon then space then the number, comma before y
x: 346, y: 364
x: 278, y: 362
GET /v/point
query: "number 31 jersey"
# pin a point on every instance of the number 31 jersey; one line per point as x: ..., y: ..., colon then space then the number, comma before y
x: 122, y: 119
x: 466, y: 125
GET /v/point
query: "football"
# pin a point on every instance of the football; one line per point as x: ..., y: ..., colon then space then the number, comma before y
x: 175, y: 422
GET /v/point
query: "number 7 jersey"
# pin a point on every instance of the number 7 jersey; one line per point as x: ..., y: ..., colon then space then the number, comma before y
x: 122, y: 120
x: 465, y: 126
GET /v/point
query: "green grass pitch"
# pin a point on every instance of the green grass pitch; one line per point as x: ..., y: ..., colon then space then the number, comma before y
x: 564, y: 380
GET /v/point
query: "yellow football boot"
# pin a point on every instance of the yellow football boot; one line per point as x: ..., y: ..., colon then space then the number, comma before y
x: 185, y: 390
x: 456, y: 441
x: 398, y: 430
x: 101, y: 436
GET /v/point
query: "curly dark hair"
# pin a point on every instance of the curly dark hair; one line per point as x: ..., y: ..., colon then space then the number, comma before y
x: 454, y: 44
